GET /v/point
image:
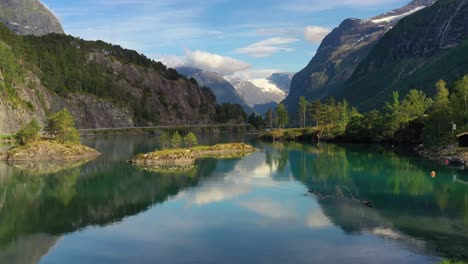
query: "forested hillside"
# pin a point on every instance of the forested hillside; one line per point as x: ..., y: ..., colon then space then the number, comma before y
x: 102, y: 84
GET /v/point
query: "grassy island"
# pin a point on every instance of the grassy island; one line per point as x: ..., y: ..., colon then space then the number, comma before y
x: 189, y: 155
x: 49, y: 150
x: 59, y: 141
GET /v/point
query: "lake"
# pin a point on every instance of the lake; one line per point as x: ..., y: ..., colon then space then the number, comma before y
x: 286, y: 203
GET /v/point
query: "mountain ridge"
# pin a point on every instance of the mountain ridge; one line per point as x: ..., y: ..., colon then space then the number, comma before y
x: 339, y: 54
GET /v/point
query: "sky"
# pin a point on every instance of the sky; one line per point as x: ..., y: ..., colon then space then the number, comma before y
x: 245, y: 39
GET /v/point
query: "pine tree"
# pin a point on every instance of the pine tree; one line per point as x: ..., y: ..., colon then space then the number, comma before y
x: 176, y: 140
x: 191, y: 140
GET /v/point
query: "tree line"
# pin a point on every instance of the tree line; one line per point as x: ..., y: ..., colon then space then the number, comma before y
x: 413, y: 118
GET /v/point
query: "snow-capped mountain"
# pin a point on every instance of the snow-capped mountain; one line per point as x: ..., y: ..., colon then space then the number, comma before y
x: 258, y: 91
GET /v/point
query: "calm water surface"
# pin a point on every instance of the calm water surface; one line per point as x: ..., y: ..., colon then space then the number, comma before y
x: 252, y: 210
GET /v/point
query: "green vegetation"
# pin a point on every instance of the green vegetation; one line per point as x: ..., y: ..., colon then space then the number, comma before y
x: 61, y: 126
x: 176, y: 140
x: 190, y: 140
x: 446, y: 261
x: 62, y: 142
x: 256, y: 121
x: 28, y: 133
x: 281, y: 117
x: 227, y: 113
x: 414, y: 119
x: 189, y: 155
x: 65, y: 64
x: 164, y: 140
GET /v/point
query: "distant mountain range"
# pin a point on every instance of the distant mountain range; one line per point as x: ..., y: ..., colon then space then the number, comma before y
x: 28, y: 17
x: 364, y: 60
x: 248, y: 93
x: 221, y: 88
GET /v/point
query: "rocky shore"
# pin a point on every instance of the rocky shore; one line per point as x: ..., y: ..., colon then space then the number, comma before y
x: 443, y: 153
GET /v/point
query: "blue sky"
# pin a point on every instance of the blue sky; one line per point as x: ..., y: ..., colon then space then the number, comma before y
x: 247, y: 38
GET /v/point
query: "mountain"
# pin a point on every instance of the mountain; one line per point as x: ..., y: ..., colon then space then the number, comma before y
x: 421, y: 49
x: 261, y: 109
x: 341, y: 51
x: 258, y: 91
x: 282, y: 80
x: 221, y: 88
x: 101, y: 84
x: 28, y: 17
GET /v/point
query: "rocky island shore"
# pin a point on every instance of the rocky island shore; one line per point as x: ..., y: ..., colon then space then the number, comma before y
x: 189, y: 155
x: 49, y: 151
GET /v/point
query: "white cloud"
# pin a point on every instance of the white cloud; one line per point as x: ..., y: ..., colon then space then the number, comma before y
x: 267, y: 47
x: 206, y: 61
x: 214, y: 62
x: 315, y: 34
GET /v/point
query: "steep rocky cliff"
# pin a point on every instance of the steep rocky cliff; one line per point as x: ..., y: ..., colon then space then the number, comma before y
x: 341, y: 51
x: 423, y: 48
x: 28, y: 17
x: 102, y: 85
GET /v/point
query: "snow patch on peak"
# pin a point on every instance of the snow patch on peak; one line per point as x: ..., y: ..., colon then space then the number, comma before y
x: 392, y: 18
x: 266, y: 86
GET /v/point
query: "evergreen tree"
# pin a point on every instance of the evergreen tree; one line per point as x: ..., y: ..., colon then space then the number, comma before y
x: 176, y: 140
x: 190, y: 140
x: 164, y: 140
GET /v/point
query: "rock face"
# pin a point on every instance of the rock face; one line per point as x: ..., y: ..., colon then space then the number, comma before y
x: 28, y: 17
x: 340, y: 53
x: 221, y: 88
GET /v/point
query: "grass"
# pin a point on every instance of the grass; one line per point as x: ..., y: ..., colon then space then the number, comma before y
x: 231, y: 150
x: 50, y: 150
x: 6, y: 137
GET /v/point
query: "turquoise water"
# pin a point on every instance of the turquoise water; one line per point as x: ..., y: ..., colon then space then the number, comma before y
x: 286, y: 203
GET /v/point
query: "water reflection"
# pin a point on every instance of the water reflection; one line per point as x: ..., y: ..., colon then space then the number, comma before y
x: 245, y: 205
x: 405, y: 197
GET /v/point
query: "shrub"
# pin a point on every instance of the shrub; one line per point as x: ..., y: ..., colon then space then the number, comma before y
x: 28, y: 133
x: 61, y: 126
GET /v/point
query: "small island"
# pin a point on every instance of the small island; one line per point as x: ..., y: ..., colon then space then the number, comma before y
x: 186, y: 156
x: 60, y: 141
